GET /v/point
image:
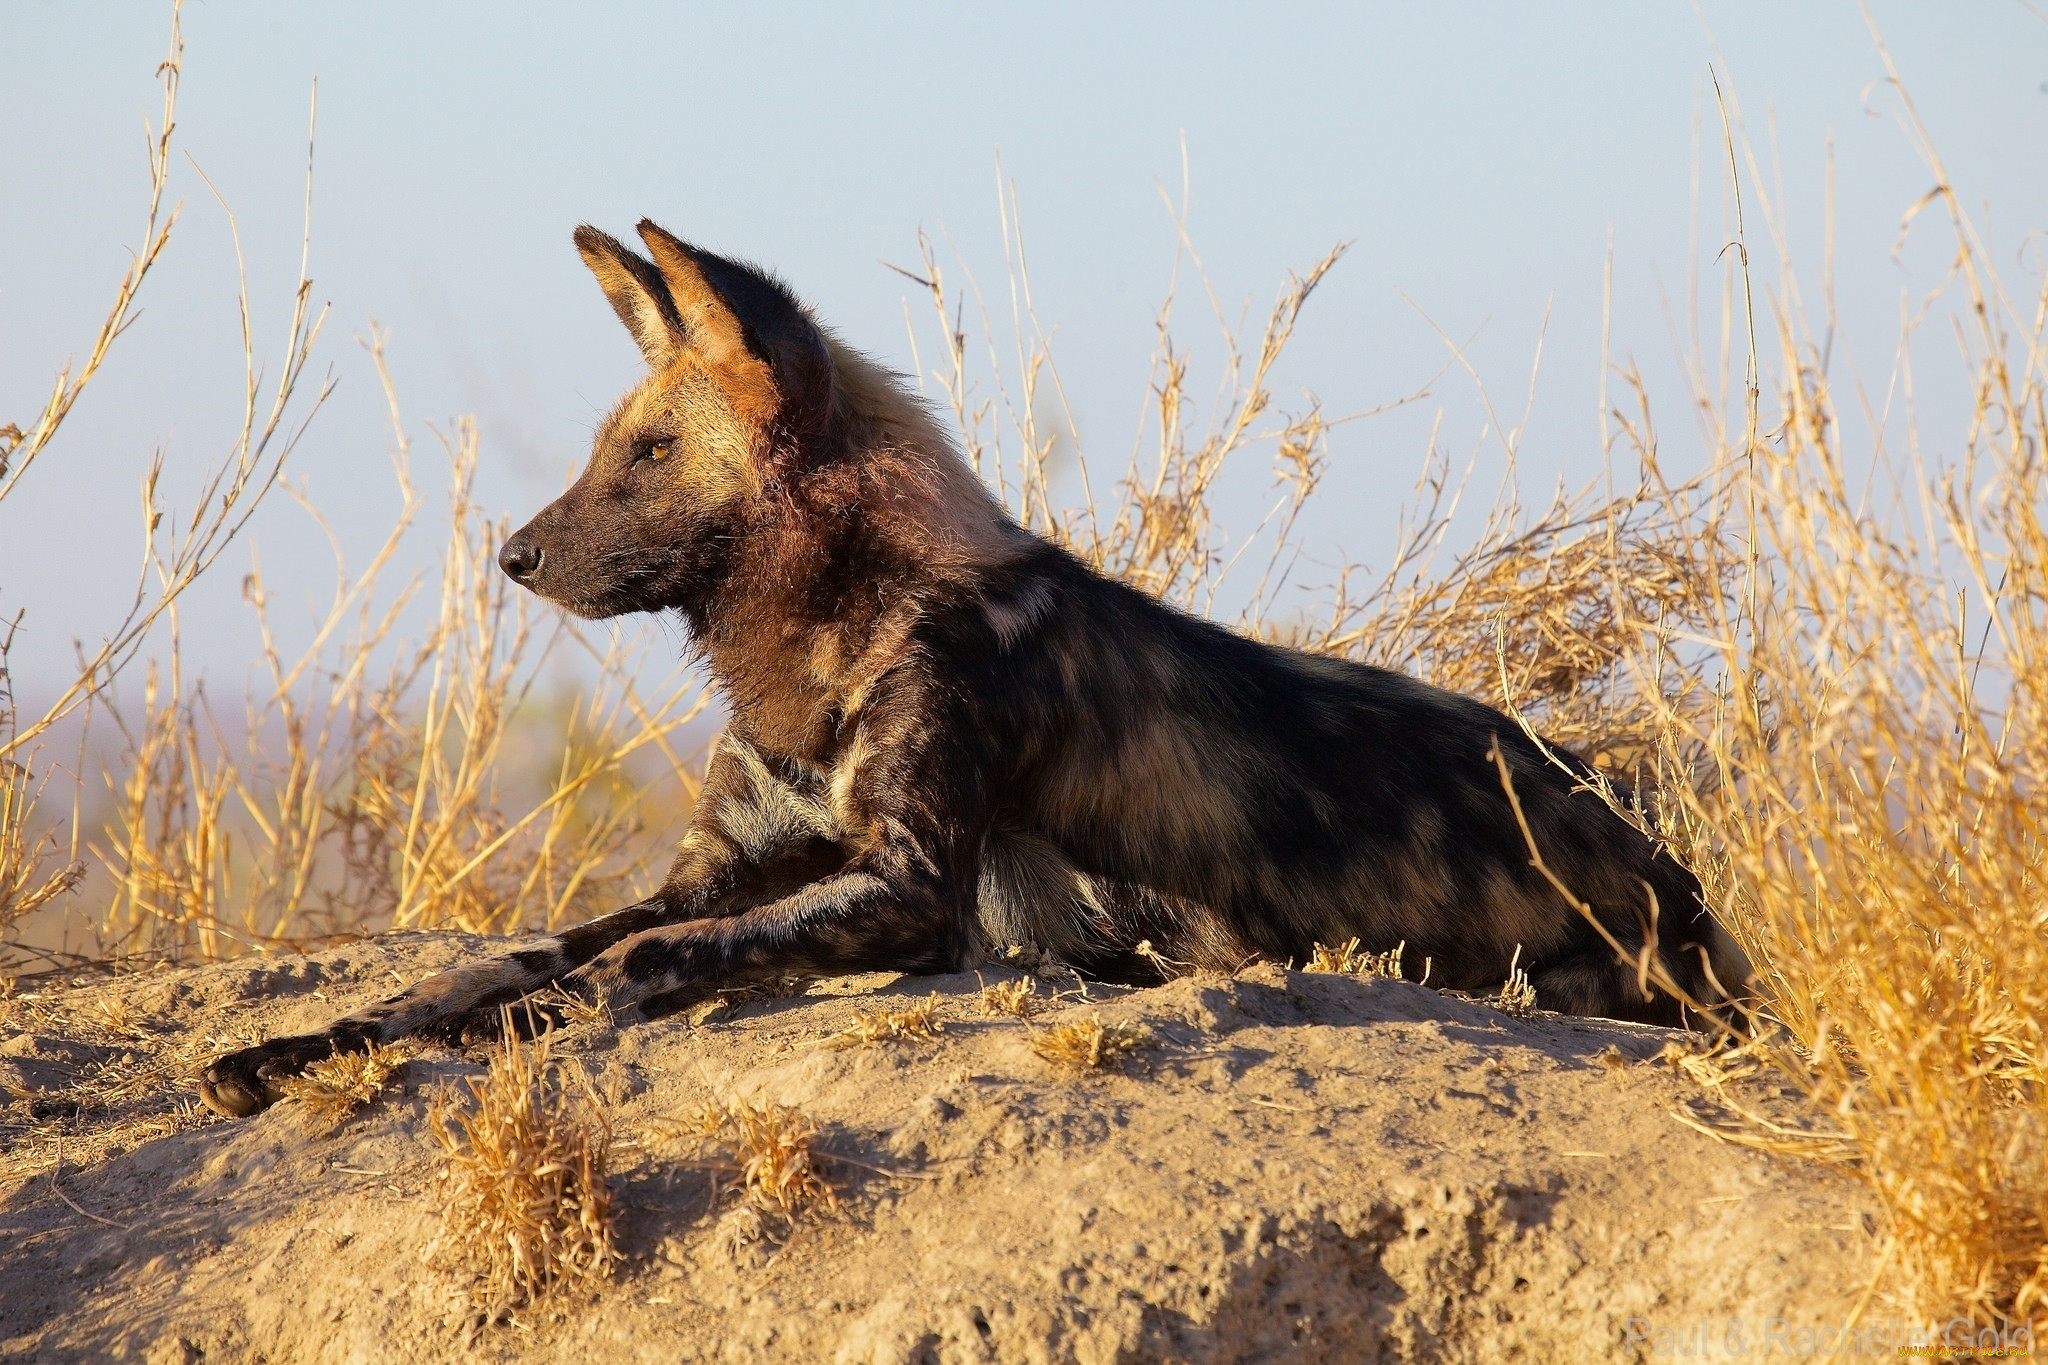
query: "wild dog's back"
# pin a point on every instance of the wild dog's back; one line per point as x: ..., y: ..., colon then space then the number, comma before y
x: 1273, y: 799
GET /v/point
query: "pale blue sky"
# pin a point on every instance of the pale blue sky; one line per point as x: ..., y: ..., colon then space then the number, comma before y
x: 1478, y: 156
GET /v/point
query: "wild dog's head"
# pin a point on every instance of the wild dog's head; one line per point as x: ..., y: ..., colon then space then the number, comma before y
x: 739, y: 389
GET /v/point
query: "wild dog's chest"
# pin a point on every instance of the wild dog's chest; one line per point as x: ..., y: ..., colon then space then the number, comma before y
x: 826, y: 777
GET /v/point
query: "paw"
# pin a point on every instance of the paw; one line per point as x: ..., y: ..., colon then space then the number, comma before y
x: 242, y: 1083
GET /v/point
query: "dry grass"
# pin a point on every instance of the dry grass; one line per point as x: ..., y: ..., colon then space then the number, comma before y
x: 773, y: 988
x: 1865, y: 796
x: 448, y: 778
x: 525, y: 1204
x: 332, y: 1089
x: 33, y: 871
x: 768, y: 1151
x: 1015, y: 999
x: 1088, y: 1044
x: 913, y: 1023
x: 1169, y: 968
x: 37, y: 866
x: 573, y: 1011
x: 142, y: 1087
x: 1348, y: 960
x: 1516, y: 995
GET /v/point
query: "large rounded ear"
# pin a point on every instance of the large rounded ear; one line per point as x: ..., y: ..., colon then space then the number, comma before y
x: 636, y: 291
x: 738, y: 320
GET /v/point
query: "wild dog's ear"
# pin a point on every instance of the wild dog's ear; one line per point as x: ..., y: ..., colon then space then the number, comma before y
x: 739, y: 319
x: 636, y: 292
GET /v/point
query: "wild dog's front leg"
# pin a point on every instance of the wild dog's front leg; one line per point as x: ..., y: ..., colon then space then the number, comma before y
x: 241, y: 1083
x: 751, y: 841
x: 883, y: 913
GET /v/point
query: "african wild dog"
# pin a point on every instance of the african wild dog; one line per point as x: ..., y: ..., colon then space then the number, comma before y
x: 948, y: 735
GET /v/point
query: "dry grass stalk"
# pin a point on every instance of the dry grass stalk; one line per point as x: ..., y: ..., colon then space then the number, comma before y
x: 573, y: 1010
x: 1169, y: 968
x: 525, y: 1204
x: 918, y: 1022
x: 114, y: 1014
x: 1016, y: 999
x: 773, y: 988
x: 332, y: 1089
x: 1088, y: 1044
x: 1715, y: 1065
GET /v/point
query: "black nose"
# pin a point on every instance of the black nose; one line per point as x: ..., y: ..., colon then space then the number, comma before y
x: 520, y: 557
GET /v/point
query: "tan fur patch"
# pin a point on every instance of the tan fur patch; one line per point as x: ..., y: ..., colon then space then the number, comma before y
x: 844, y: 774
x: 885, y: 647
x: 1161, y: 790
x: 720, y: 445
x: 772, y: 813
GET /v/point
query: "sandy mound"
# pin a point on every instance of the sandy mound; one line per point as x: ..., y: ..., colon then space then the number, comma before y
x: 1301, y: 1166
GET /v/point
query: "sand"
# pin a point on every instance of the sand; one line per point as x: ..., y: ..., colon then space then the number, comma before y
x: 1301, y: 1166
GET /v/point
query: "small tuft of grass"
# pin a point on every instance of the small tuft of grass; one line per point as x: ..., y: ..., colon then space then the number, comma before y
x: 1035, y: 961
x: 1169, y: 968
x: 333, y: 1088
x: 573, y: 1010
x: 1517, y: 996
x: 1348, y: 960
x: 919, y: 1022
x: 1713, y: 1064
x: 1088, y: 1044
x: 526, y: 1206
x: 115, y: 1015
x: 1017, y: 999
x: 768, y: 1150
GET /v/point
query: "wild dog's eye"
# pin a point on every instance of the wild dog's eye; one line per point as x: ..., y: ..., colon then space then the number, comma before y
x: 653, y: 451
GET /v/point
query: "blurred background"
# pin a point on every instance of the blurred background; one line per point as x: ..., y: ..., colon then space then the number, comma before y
x: 1480, y: 158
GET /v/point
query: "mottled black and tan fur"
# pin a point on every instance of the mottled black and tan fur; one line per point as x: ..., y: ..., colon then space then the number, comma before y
x: 948, y: 735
